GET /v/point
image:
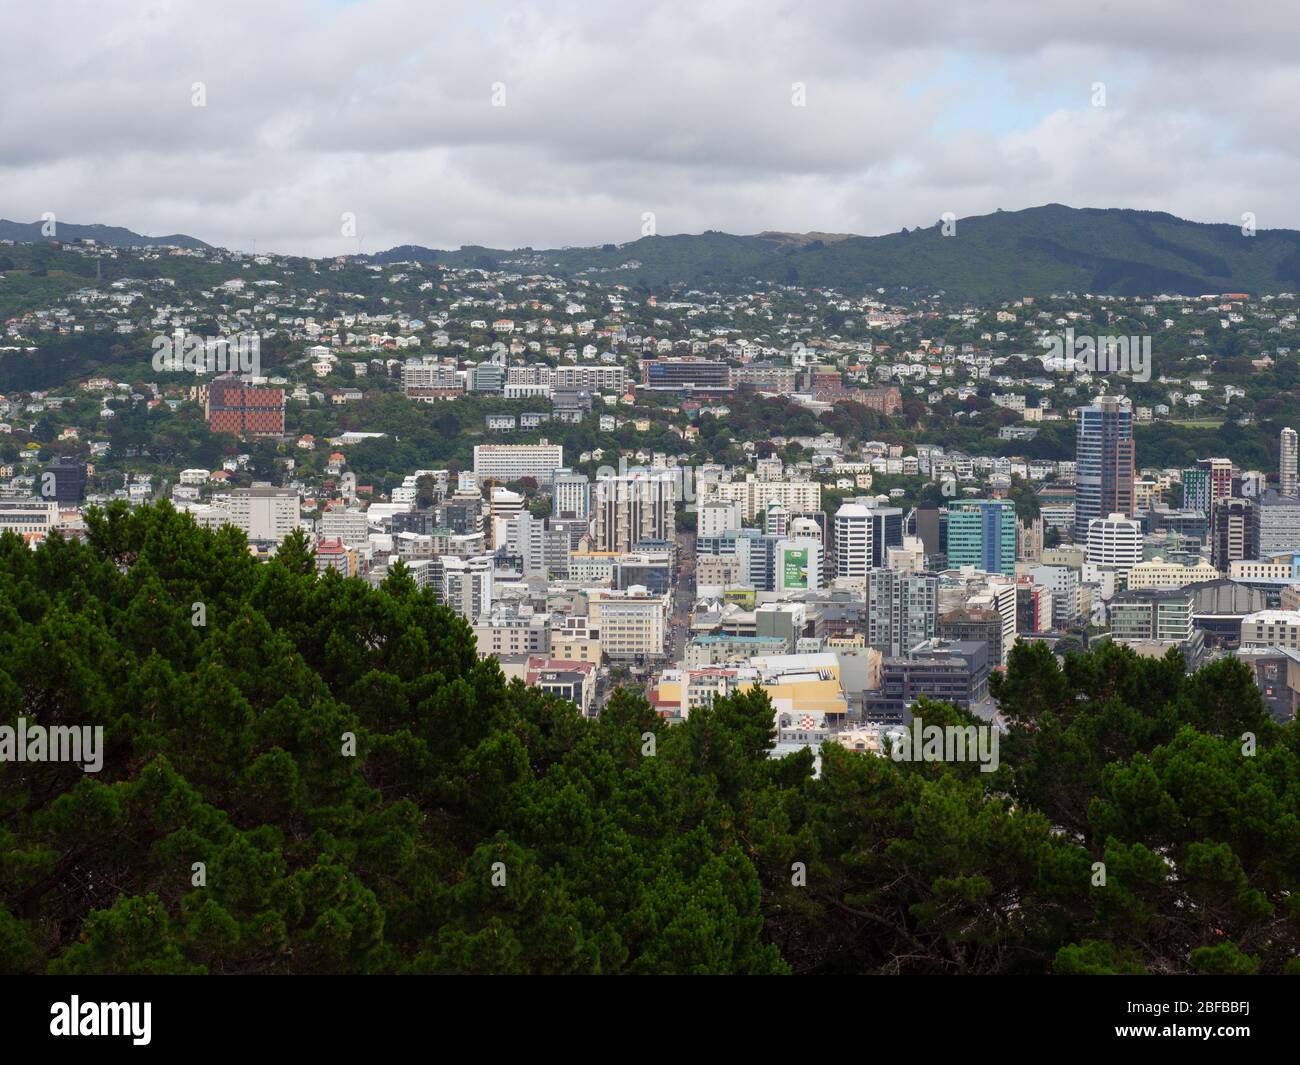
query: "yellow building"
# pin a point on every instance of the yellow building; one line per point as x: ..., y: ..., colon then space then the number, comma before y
x: 802, y: 686
x: 1157, y: 573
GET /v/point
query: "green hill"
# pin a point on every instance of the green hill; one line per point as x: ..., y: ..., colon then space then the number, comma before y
x: 1036, y: 252
x: 113, y: 236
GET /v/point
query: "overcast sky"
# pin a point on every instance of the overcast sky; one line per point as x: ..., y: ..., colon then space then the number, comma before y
x: 385, y: 110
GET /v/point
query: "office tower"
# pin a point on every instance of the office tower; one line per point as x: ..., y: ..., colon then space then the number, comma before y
x: 1287, y: 469
x: 1104, y: 463
x: 1278, y: 519
x: 352, y: 527
x: 1234, y: 532
x: 927, y: 528
x: 28, y: 516
x: 853, y: 524
x: 886, y: 532
x: 1115, y: 542
x: 1164, y: 615
x: 982, y: 533
x: 632, y: 508
x: 64, y: 481
x: 954, y: 672
x: 570, y: 495
x: 974, y: 625
x: 798, y: 566
x: 1033, y: 606
x: 901, y: 609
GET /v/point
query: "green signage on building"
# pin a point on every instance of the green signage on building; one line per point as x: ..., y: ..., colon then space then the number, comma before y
x: 796, y: 567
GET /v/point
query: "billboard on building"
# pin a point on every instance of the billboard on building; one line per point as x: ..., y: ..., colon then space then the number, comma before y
x: 794, y: 563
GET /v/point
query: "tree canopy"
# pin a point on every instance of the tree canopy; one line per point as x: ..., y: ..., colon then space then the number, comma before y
x: 303, y: 773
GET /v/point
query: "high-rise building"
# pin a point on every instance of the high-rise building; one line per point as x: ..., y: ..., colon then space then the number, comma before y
x: 1115, y: 542
x: 633, y: 622
x: 798, y: 565
x: 1160, y: 615
x: 570, y: 495
x: 352, y: 527
x: 973, y: 624
x: 755, y: 495
x: 886, y: 532
x: 901, y: 609
x: 632, y: 508
x: 1205, y: 483
x: 525, y: 538
x: 503, y: 507
x: 927, y: 528
x: 1278, y: 518
x: 1287, y: 464
x: 1234, y: 532
x: 938, y: 669
x: 982, y: 533
x: 1063, y: 584
x: 1196, y: 489
x: 465, y: 585
x: 64, y: 481
x: 1104, y: 463
x: 853, y: 527
x: 1033, y: 606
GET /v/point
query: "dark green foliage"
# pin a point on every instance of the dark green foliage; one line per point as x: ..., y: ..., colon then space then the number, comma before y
x: 487, y: 827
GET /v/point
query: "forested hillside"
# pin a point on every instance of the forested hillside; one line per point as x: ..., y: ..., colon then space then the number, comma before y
x: 486, y: 827
x: 1005, y: 255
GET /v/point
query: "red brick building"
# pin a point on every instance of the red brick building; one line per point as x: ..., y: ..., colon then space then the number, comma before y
x: 885, y: 400
x: 232, y: 407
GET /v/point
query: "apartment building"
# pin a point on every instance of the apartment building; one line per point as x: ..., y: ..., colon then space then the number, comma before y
x: 512, y: 462
x: 264, y: 512
x: 633, y: 622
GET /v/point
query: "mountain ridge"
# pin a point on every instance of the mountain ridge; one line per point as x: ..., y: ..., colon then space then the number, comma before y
x: 1031, y: 252
x: 1035, y: 251
x: 112, y: 236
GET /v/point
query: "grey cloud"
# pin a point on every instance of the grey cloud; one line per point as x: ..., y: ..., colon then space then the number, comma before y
x: 383, y: 108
